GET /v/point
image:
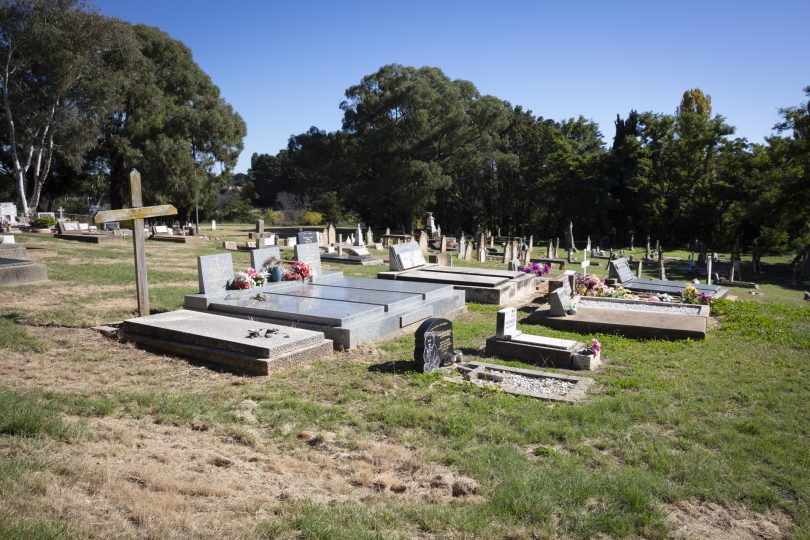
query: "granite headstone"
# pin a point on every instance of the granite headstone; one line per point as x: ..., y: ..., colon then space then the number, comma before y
x: 434, y: 344
x: 215, y: 272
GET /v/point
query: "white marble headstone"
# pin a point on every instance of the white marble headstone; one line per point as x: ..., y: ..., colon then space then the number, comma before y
x: 507, y: 323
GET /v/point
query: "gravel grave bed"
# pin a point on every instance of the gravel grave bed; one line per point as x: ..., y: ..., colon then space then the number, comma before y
x: 663, y: 308
x: 541, y: 385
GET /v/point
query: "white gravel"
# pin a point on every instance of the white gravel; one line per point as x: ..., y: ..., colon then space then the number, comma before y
x: 627, y: 306
x: 540, y: 385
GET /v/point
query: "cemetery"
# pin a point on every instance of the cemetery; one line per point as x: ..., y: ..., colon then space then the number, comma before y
x: 249, y: 289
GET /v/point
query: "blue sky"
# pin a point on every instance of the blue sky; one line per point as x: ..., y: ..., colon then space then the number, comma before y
x: 284, y: 66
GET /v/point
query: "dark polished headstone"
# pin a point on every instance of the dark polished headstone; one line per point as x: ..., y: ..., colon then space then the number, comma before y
x: 307, y: 237
x: 434, y: 344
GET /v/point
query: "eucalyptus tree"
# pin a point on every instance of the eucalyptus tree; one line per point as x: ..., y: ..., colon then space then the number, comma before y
x: 55, y: 84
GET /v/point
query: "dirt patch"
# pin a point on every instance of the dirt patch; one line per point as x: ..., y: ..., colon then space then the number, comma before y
x: 727, y: 521
x: 141, y: 478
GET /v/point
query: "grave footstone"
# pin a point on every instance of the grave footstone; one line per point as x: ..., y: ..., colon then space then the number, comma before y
x: 229, y: 246
x: 434, y: 344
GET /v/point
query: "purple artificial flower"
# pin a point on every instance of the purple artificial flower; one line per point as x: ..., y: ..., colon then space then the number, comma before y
x: 596, y: 346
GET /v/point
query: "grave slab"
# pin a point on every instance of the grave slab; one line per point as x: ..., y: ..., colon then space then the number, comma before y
x: 636, y: 324
x: 224, y: 341
x: 428, y: 291
x: 297, y: 309
x: 19, y: 272
x: 391, y: 301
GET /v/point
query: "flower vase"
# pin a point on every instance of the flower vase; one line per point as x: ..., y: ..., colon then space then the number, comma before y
x: 276, y: 274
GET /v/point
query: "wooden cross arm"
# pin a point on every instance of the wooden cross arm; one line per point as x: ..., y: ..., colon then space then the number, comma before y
x: 142, y: 212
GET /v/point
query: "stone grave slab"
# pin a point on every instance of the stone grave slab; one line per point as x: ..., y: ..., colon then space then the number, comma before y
x: 391, y: 301
x: 466, y: 270
x: 428, y: 291
x: 226, y: 341
x: 19, y: 272
x: 292, y: 308
x: 13, y: 251
x: 451, y: 278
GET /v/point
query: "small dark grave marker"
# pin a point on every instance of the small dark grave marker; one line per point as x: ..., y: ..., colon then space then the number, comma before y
x: 434, y: 344
x: 308, y: 237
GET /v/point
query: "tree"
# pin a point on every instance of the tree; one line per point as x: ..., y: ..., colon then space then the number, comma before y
x: 54, y: 79
x: 172, y: 124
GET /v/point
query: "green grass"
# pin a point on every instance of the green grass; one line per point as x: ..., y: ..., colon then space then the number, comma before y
x: 722, y: 420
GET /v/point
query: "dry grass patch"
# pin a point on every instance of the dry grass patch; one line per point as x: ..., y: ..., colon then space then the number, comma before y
x: 727, y: 521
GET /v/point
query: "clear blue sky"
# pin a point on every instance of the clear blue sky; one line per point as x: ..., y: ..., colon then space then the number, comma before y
x: 284, y: 66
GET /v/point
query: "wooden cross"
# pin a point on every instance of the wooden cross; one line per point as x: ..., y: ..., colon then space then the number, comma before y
x: 137, y: 214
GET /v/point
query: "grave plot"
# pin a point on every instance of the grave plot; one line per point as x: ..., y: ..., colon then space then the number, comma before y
x: 509, y: 342
x: 16, y: 268
x: 620, y: 270
x: 352, y: 255
x: 523, y: 382
x: 632, y: 318
x: 81, y: 232
x: 163, y: 233
x: 239, y: 345
x: 482, y: 285
x: 349, y: 311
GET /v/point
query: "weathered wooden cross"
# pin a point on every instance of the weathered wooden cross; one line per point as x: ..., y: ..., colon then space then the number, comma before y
x: 137, y: 214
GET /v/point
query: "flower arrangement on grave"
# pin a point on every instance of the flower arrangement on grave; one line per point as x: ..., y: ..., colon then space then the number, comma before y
x: 590, y: 285
x: 248, y: 279
x: 663, y: 298
x: 690, y: 295
x: 596, y: 346
x: 536, y: 269
x: 298, y: 272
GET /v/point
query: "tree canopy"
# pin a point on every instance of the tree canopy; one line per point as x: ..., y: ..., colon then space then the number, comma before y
x: 90, y: 97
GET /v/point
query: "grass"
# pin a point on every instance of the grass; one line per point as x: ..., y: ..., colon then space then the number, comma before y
x: 722, y: 420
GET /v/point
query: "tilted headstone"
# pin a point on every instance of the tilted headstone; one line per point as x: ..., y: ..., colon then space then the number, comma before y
x: 506, y: 323
x: 310, y: 254
x: 619, y: 269
x: 359, y: 251
x: 434, y: 344
x: 307, y: 237
x: 229, y: 246
x: 405, y: 256
x: 215, y: 272
x: 265, y: 258
x: 559, y: 302
x: 423, y: 243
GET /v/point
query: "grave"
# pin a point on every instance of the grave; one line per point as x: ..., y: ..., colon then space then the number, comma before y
x: 509, y: 342
x: 353, y: 255
x: 17, y: 269
x: 239, y: 345
x: 349, y: 311
x: 524, y: 382
x: 631, y: 318
x: 72, y: 230
x: 620, y: 270
x: 482, y: 285
x: 163, y: 233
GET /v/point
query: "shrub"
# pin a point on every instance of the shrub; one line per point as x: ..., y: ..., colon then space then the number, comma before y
x: 274, y: 217
x: 311, y: 218
x: 44, y: 222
